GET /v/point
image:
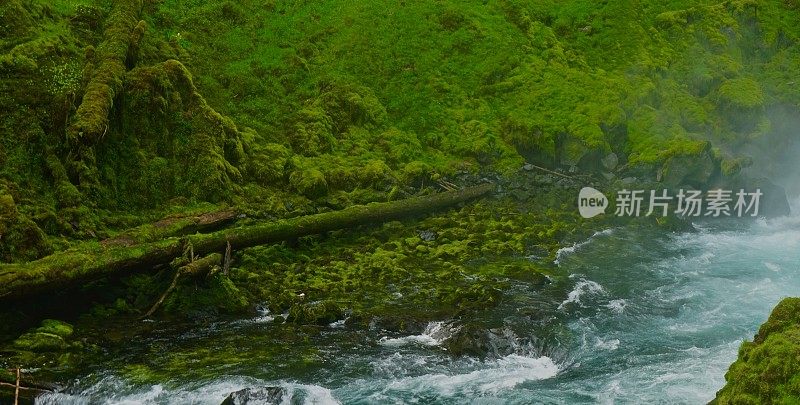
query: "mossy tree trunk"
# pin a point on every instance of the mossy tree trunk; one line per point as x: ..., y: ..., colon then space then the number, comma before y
x: 96, y: 260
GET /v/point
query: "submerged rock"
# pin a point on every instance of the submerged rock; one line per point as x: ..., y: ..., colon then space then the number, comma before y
x: 473, y: 339
x: 253, y: 396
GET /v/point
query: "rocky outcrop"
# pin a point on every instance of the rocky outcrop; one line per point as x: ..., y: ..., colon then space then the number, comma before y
x: 768, y: 368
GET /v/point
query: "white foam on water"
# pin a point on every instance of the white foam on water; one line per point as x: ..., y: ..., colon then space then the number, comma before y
x: 495, y: 376
x: 566, y: 251
x: 433, y: 335
x: 112, y: 390
x: 582, y: 287
x: 617, y: 306
x: 611, y: 344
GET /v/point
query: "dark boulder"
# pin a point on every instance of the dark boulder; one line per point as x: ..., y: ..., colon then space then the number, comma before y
x: 695, y: 170
x: 474, y: 339
x: 773, y: 202
x: 256, y: 396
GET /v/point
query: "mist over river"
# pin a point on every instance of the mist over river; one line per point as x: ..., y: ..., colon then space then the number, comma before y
x: 642, y: 318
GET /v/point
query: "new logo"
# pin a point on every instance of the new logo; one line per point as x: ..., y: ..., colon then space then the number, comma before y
x: 591, y: 202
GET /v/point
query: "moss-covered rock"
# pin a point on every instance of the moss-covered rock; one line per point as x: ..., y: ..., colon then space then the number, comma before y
x: 217, y: 294
x: 20, y: 238
x: 269, y: 163
x: 40, y: 342
x: 741, y: 94
x: 694, y: 168
x: 315, y: 313
x: 768, y: 368
x: 55, y: 327
x: 309, y: 182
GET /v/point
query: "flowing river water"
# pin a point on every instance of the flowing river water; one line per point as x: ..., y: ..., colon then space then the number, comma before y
x: 641, y: 318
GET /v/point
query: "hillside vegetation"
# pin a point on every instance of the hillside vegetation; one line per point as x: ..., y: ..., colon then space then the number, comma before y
x: 289, y: 106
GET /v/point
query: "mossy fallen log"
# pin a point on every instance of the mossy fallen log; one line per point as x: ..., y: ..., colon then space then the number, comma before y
x: 95, y: 260
x: 173, y: 225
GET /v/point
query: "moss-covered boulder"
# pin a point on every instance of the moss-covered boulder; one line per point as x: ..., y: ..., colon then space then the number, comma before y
x: 20, y: 238
x: 742, y: 101
x: 215, y: 294
x: 315, y: 313
x: 51, y: 336
x: 309, y: 182
x: 695, y: 168
x: 268, y: 164
x: 40, y: 342
x: 55, y: 327
x: 768, y: 368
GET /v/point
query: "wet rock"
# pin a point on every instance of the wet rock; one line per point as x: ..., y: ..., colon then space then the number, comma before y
x: 610, y: 161
x: 40, y: 342
x: 55, y: 327
x: 473, y: 339
x: 253, y: 396
x: 695, y: 170
x: 773, y: 201
x: 428, y: 235
x: 316, y: 313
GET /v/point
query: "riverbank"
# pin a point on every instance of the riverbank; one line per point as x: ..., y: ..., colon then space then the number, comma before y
x: 606, y: 325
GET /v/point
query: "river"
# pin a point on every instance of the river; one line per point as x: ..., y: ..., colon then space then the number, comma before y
x: 642, y: 317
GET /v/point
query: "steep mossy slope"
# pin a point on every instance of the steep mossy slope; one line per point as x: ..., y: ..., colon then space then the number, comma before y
x: 280, y: 103
x: 768, y: 368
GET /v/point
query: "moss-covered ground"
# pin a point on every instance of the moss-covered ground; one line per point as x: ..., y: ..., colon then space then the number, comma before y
x: 287, y: 106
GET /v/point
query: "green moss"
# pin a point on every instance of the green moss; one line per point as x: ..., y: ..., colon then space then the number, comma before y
x: 40, y: 342
x: 315, y: 313
x: 55, y: 327
x: 309, y: 182
x: 768, y: 369
x: 269, y: 162
x: 216, y: 294
x: 20, y: 238
x: 741, y: 93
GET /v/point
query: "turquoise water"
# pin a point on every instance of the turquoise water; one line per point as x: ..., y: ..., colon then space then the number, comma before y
x: 642, y: 318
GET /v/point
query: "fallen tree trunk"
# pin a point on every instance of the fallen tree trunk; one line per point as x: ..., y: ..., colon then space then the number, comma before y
x: 173, y: 225
x: 94, y: 260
